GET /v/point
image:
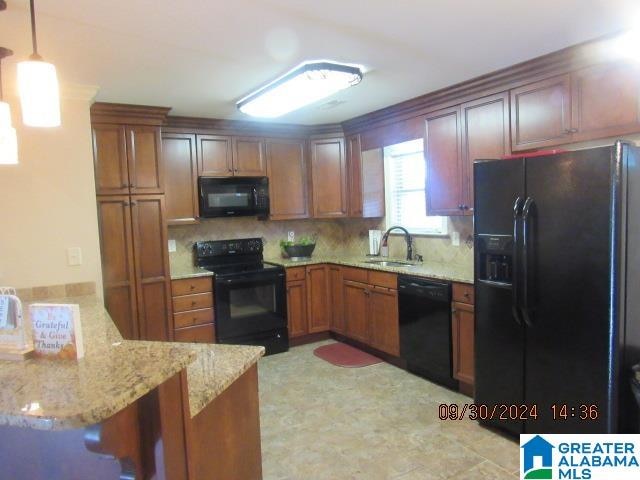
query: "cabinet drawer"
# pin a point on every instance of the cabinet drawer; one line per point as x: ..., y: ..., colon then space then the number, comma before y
x: 296, y: 273
x: 192, y: 302
x: 355, y: 274
x: 188, y: 286
x: 463, y: 292
x: 383, y: 279
x: 193, y: 317
x: 199, y: 334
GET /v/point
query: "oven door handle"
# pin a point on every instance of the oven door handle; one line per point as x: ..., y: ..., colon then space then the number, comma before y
x: 260, y: 278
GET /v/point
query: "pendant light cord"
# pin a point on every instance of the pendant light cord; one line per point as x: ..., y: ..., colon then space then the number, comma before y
x: 34, y: 40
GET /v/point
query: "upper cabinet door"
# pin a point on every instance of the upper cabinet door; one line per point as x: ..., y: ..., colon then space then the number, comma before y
x: 287, y: 172
x: 214, y: 156
x: 354, y: 162
x: 541, y: 114
x: 442, y: 147
x: 248, y: 157
x: 110, y: 159
x: 329, y: 178
x: 144, y: 157
x: 485, y: 135
x: 372, y: 183
x: 605, y: 101
x: 181, y: 167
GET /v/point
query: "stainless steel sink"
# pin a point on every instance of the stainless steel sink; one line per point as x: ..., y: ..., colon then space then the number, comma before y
x: 389, y: 263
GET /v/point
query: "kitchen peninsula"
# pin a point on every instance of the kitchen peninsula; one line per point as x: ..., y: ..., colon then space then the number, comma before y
x: 153, y: 407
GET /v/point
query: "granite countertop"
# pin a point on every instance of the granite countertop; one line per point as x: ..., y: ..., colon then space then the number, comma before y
x: 439, y: 271
x: 64, y: 394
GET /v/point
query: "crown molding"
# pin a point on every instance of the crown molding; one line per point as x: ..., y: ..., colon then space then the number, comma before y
x: 102, y: 112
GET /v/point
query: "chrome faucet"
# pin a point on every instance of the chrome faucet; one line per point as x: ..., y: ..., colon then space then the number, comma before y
x: 407, y: 238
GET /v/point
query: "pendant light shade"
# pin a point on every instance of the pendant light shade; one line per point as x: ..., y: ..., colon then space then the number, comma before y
x: 38, y: 86
x: 8, y: 137
x: 39, y: 93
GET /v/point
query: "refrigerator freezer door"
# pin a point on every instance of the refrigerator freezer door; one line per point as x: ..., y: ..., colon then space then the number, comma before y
x: 499, y: 338
x: 497, y: 184
x: 568, y: 290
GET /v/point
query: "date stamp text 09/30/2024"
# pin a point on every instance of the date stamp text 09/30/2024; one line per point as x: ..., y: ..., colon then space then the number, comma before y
x: 477, y: 411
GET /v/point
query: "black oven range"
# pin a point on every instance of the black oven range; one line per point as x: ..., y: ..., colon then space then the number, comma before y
x: 250, y: 297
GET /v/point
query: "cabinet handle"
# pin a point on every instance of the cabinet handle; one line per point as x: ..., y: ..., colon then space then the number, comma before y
x: 230, y: 169
x: 126, y: 204
x: 570, y: 130
x: 192, y: 287
x: 134, y: 203
x: 460, y: 207
x: 193, y: 303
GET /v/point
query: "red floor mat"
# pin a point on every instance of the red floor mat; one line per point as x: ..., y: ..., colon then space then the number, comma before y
x: 344, y: 355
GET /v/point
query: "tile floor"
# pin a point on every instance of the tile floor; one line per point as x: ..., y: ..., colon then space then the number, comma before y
x: 325, y: 422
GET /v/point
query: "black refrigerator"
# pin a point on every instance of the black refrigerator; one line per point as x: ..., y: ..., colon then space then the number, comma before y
x: 557, y: 277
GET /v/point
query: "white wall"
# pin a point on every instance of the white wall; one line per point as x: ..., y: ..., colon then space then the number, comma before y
x: 47, y: 201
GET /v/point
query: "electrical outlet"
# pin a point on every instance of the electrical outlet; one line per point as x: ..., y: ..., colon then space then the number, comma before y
x: 291, y: 236
x: 455, y: 239
x: 172, y: 245
x: 74, y: 256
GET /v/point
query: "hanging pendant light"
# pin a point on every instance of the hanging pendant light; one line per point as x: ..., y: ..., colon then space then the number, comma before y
x: 38, y: 87
x: 8, y: 137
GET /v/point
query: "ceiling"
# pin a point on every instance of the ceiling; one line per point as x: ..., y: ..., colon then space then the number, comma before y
x: 201, y: 56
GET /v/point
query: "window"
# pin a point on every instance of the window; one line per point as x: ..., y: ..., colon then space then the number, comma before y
x: 404, y: 168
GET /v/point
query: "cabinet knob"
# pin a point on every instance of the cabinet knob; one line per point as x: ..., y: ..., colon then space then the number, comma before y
x: 192, y: 287
x: 134, y: 203
x: 193, y: 303
x: 460, y: 207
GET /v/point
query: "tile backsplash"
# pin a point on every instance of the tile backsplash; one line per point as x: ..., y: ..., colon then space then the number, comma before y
x: 334, y: 237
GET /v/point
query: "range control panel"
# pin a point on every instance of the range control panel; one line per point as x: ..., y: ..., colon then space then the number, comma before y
x: 228, y: 248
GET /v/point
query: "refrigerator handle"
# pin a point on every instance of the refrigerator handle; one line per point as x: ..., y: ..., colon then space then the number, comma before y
x: 515, y: 294
x: 527, y: 251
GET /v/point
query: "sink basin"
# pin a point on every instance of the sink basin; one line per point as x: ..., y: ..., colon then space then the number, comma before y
x: 389, y: 263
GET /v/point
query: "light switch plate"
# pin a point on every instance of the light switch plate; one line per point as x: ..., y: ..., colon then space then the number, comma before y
x: 172, y: 246
x: 291, y: 236
x: 74, y: 256
x: 455, y: 239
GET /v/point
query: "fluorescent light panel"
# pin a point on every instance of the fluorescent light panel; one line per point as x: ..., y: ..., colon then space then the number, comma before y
x: 306, y: 84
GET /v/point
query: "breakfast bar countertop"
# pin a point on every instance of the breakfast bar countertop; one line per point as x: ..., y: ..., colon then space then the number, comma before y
x: 67, y: 394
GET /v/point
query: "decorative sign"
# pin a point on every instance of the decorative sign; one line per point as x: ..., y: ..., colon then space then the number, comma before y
x: 56, y: 330
x: 15, y: 334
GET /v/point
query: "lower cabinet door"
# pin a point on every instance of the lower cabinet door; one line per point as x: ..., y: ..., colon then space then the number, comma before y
x: 337, y: 301
x: 199, y: 334
x: 297, y: 308
x: 462, y: 324
x: 318, y: 308
x: 356, y: 299
x: 383, y: 316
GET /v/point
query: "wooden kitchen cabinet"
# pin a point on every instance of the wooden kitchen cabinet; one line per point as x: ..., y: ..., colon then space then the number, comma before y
x: 197, y: 334
x: 329, y: 177
x: 541, y: 114
x: 215, y: 156
x: 193, y: 314
x: 356, y: 309
x: 605, y: 101
x: 297, y: 308
x: 318, y: 308
x: 152, y: 266
x: 118, y: 270
x: 136, y: 279
x: 248, y: 157
x: 462, y: 325
x: 181, y: 168
x: 288, y: 180
x: 336, y: 299
x: 354, y: 163
x: 366, y: 180
x: 127, y: 159
x: 385, y: 331
x: 443, y: 154
x: 485, y: 135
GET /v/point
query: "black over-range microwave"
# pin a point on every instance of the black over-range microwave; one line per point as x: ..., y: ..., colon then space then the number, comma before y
x: 234, y: 196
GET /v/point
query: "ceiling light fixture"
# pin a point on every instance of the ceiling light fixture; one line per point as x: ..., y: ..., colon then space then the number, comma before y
x: 38, y: 86
x: 8, y: 137
x: 305, y: 84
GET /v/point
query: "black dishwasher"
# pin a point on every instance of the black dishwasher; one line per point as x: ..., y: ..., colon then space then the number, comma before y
x: 425, y: 328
